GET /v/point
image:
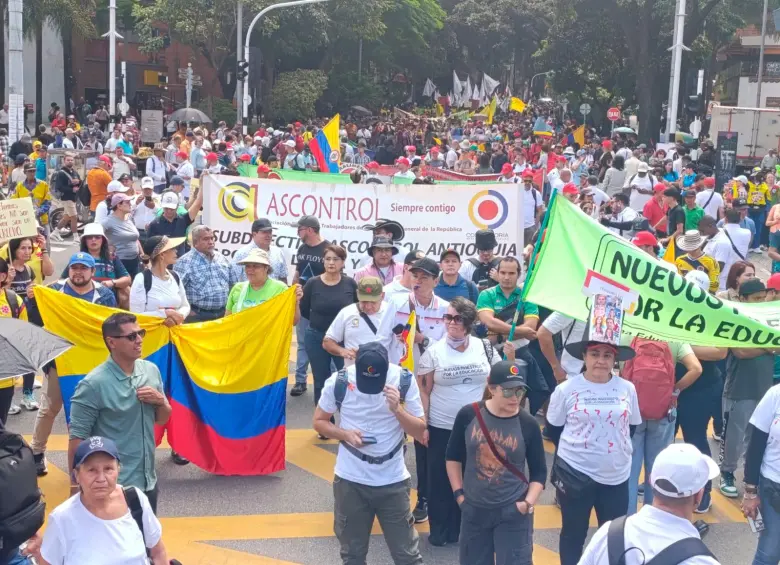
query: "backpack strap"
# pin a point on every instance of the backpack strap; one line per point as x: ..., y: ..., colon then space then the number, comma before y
x: 405, y: 383
x: 147, y: 274
x: 616, y: 541
x: 681, y: 550
x: 340, y: 388
x: 488, y: 350
x: 136, y: 510
x: 13, y: 302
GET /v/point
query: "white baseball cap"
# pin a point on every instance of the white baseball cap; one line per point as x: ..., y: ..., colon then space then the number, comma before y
x: 682, y: 471
x: 289, y: 143
x: 147, y: 182
x: 698, y: 278
x: 116, y: 186
x: 169, y: 200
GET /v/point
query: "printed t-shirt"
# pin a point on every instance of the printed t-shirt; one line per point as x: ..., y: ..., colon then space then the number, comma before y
x: 309, y: 261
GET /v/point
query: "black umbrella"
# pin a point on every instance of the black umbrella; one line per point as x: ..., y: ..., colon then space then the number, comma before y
x: 25, y: 348
x: 190, y: 115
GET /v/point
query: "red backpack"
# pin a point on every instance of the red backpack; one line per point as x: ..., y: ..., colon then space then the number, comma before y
x: 652, y: 372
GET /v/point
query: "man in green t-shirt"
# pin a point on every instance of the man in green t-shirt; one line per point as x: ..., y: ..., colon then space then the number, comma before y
x: 693, y: 212
x: 496, y: 306
x: 259, y: 287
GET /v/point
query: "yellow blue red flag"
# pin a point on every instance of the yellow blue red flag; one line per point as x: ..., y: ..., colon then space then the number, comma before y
x: 325, y: 146
x: 225, y: 380
x: 407, y: 337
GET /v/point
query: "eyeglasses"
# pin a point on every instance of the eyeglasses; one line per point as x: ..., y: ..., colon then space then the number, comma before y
x: 132, y: 336
x: 457, y: 318
x: 510, y: 392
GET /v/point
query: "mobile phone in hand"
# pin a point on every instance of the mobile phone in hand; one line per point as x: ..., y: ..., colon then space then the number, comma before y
x: 756, y: 525
x: 368, y: 440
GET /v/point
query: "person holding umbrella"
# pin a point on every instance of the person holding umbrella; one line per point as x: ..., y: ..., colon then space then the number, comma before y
x: 11, y: 306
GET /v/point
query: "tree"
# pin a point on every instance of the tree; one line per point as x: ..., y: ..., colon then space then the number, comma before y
x: 295, y: 93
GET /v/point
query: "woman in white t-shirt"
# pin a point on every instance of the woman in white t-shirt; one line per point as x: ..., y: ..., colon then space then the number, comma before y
x: 762, y: 475
x: 96, y: 526
x: 453, y: 373
x: 592, y: 415
x: 157, y: 291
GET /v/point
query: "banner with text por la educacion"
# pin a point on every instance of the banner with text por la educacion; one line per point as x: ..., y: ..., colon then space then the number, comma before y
x: 668, y: 308
x: 435, y: 217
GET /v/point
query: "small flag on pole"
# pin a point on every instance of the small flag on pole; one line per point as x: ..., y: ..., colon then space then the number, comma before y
x: 516, y: 104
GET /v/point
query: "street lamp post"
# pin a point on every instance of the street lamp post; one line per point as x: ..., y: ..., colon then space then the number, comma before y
x: 246, y: 99
x: 531, y: 84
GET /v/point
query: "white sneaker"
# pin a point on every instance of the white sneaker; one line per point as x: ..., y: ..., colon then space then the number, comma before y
x: 14, y: 409
x: 37, y: 384
x: 55, y: 236
x: 29, y: 402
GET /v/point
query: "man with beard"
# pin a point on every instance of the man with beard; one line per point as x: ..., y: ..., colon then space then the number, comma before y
x: 80, y: 284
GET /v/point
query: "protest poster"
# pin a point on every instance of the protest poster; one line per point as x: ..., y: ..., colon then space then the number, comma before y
x: 17, y: 219
x: 151, y: 126
x: 667, y: 306
x: 435, y: 217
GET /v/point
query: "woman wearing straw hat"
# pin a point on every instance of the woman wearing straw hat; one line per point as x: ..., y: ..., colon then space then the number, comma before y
x: 158, y: 291
x: 591, y: 417
x: 691, y: 243
x: 259, y: 286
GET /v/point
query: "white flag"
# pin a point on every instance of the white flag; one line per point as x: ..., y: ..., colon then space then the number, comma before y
x: 457, y: 87
x: 489, y: 84
x: 429, y: 88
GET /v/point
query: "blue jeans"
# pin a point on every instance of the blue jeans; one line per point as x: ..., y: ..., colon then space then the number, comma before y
x: 302, y: 363
x: 322, y: 362
x: 650, y: 437
x: 16, y: 558
x: 768, y: 550
x: 759, y: 217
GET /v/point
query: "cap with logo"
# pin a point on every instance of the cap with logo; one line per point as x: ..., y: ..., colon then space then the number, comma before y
x: 169, y: 200
x: 412, y: 257
x: 371, y: 366
x: 82, y: 258
x: 426, y: 265
x: 92, y: 445
x: 645, y: 239
x: 147, y: 182
x: 308, y: 222
x: 681, y: 470
x: 369, y: 289
x: 509, y: 374
x: 739, y: 203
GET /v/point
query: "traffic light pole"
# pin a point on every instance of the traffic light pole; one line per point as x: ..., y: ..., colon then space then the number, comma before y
x: 239, y: 80
x: 246, y: 99
x: 112, y: 35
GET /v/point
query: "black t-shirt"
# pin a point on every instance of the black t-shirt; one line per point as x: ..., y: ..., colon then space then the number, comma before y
x: 64, y: 184
x: 309, y: 261
x: 675, y: 216
x: 177, y: 228
x: 321, y: 302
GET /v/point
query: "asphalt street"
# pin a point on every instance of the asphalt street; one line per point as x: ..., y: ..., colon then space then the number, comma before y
x: 287, y: 519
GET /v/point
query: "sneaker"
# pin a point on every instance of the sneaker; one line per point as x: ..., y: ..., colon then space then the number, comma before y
x: 706, y: 503
x: 298, y: 389
x: 40, y: 464
x: 55, y: 236
x: 727, y: 486
x: 717, y: 437
x: 178, y: 459
x: 29, y: 402
x: 14, y: 410
x: 37, y: 384
x: 420, y: 512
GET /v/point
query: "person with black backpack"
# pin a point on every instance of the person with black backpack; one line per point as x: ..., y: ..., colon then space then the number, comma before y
x: 482, y: 270
x: 661, y: 533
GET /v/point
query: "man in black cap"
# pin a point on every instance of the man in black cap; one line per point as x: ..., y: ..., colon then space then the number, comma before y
x: 482, y: 271
x: 383, y: 267
x: 262, y: 236
x: 371, y: 478
x: 309, y: 263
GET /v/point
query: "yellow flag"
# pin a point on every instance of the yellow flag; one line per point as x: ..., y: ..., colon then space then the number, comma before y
x: 669, y: 253
x: 439, y: 110
x: 407, y: 359
x: 579, y: 135
x: 491, y: 111
x: 516, y: 104
x: 437, y: 141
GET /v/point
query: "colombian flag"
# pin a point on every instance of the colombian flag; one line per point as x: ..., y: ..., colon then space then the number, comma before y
x: 324, y: 146
x: 225, y: 383
x: 407, y: 337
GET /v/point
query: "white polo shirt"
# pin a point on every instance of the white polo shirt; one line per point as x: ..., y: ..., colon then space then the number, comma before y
x: 351, y: 329
x: 369, y: 414
x: 571, y: 331
x: 651, y: 530
x: 430, y: 320
x: 719, y: 248
x: 713, y: 204
x: 532, y: 199
x: 394, y: 288
x: 766, y: 417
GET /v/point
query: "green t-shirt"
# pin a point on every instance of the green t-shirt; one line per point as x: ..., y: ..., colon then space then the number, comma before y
x: 493, y: 299
x: 253, y: 297
x: 692, y: 217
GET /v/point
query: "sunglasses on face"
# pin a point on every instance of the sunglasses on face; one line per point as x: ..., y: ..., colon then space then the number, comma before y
x: 457, y: 318
x: 510, y: 392
x: 132, y: 336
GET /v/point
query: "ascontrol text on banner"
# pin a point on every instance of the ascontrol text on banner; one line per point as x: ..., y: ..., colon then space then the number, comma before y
x: 435, y: 217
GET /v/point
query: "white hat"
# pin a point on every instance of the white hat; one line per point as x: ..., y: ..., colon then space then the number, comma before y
x: 682, y: 471
x: 169, y: 200
x: 93, y: 229
x: 289, y: 143
x: 258, y: 138
x: 698, y: 278
x: 147, y: 182
x: 741, y: 178
x: 568, y: 151
x: 642, y: 168
x: 116, y: 186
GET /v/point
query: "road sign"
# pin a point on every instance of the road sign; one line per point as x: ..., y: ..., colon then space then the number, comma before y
x: 613, y: 114
x: 247, y: 99
x: 123, y: 107
x: 585, y: 109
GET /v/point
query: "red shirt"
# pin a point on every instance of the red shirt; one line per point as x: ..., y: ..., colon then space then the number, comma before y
x: 655, y: 212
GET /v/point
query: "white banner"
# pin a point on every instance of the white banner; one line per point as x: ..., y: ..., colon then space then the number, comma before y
x: 151, y: 126
x: 435, y: 217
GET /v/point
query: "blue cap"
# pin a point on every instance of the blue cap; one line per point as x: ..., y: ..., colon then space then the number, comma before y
x: 371, y: 365
x: 177, y: 180
x: 81, y: 258
x: 92, y: 445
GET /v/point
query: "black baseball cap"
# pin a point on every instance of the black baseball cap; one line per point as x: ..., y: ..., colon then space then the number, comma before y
x: 261, y: 224
x: 751, y: 286
x: 509, y: 374
x: 739, y: 203
x: 449, y: 251
x: 124, y: 176
x: 92, y: 445
x: 371, y: 365
x: 426, y: 265
x: 412, y: 257
x: 308, y: 222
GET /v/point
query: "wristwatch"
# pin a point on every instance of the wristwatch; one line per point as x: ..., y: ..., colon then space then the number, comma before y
x: 457, y: 493
x: 426, y: 341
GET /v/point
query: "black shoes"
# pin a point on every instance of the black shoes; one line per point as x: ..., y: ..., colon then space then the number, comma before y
x: 420, y: 512
x: 40, y: 464
x: 298, y: 389
x: 178, y: 459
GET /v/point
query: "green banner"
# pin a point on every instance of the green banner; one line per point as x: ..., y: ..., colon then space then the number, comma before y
x: 668, y: 307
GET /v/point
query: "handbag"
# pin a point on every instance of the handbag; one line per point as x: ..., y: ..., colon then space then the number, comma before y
x: 485, y: 432
x: 567, y: 479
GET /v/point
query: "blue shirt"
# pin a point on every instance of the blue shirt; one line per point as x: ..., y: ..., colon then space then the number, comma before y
x: 671, y: 176
x: 126, y: 147
x: 100, y: 294
x: 40, y: 169
x: 462, y: 287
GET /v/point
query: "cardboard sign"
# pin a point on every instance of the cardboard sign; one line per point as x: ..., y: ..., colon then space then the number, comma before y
x: 17, y: 219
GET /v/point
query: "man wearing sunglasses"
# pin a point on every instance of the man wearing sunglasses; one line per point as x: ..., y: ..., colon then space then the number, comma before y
x: 122, y: 399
